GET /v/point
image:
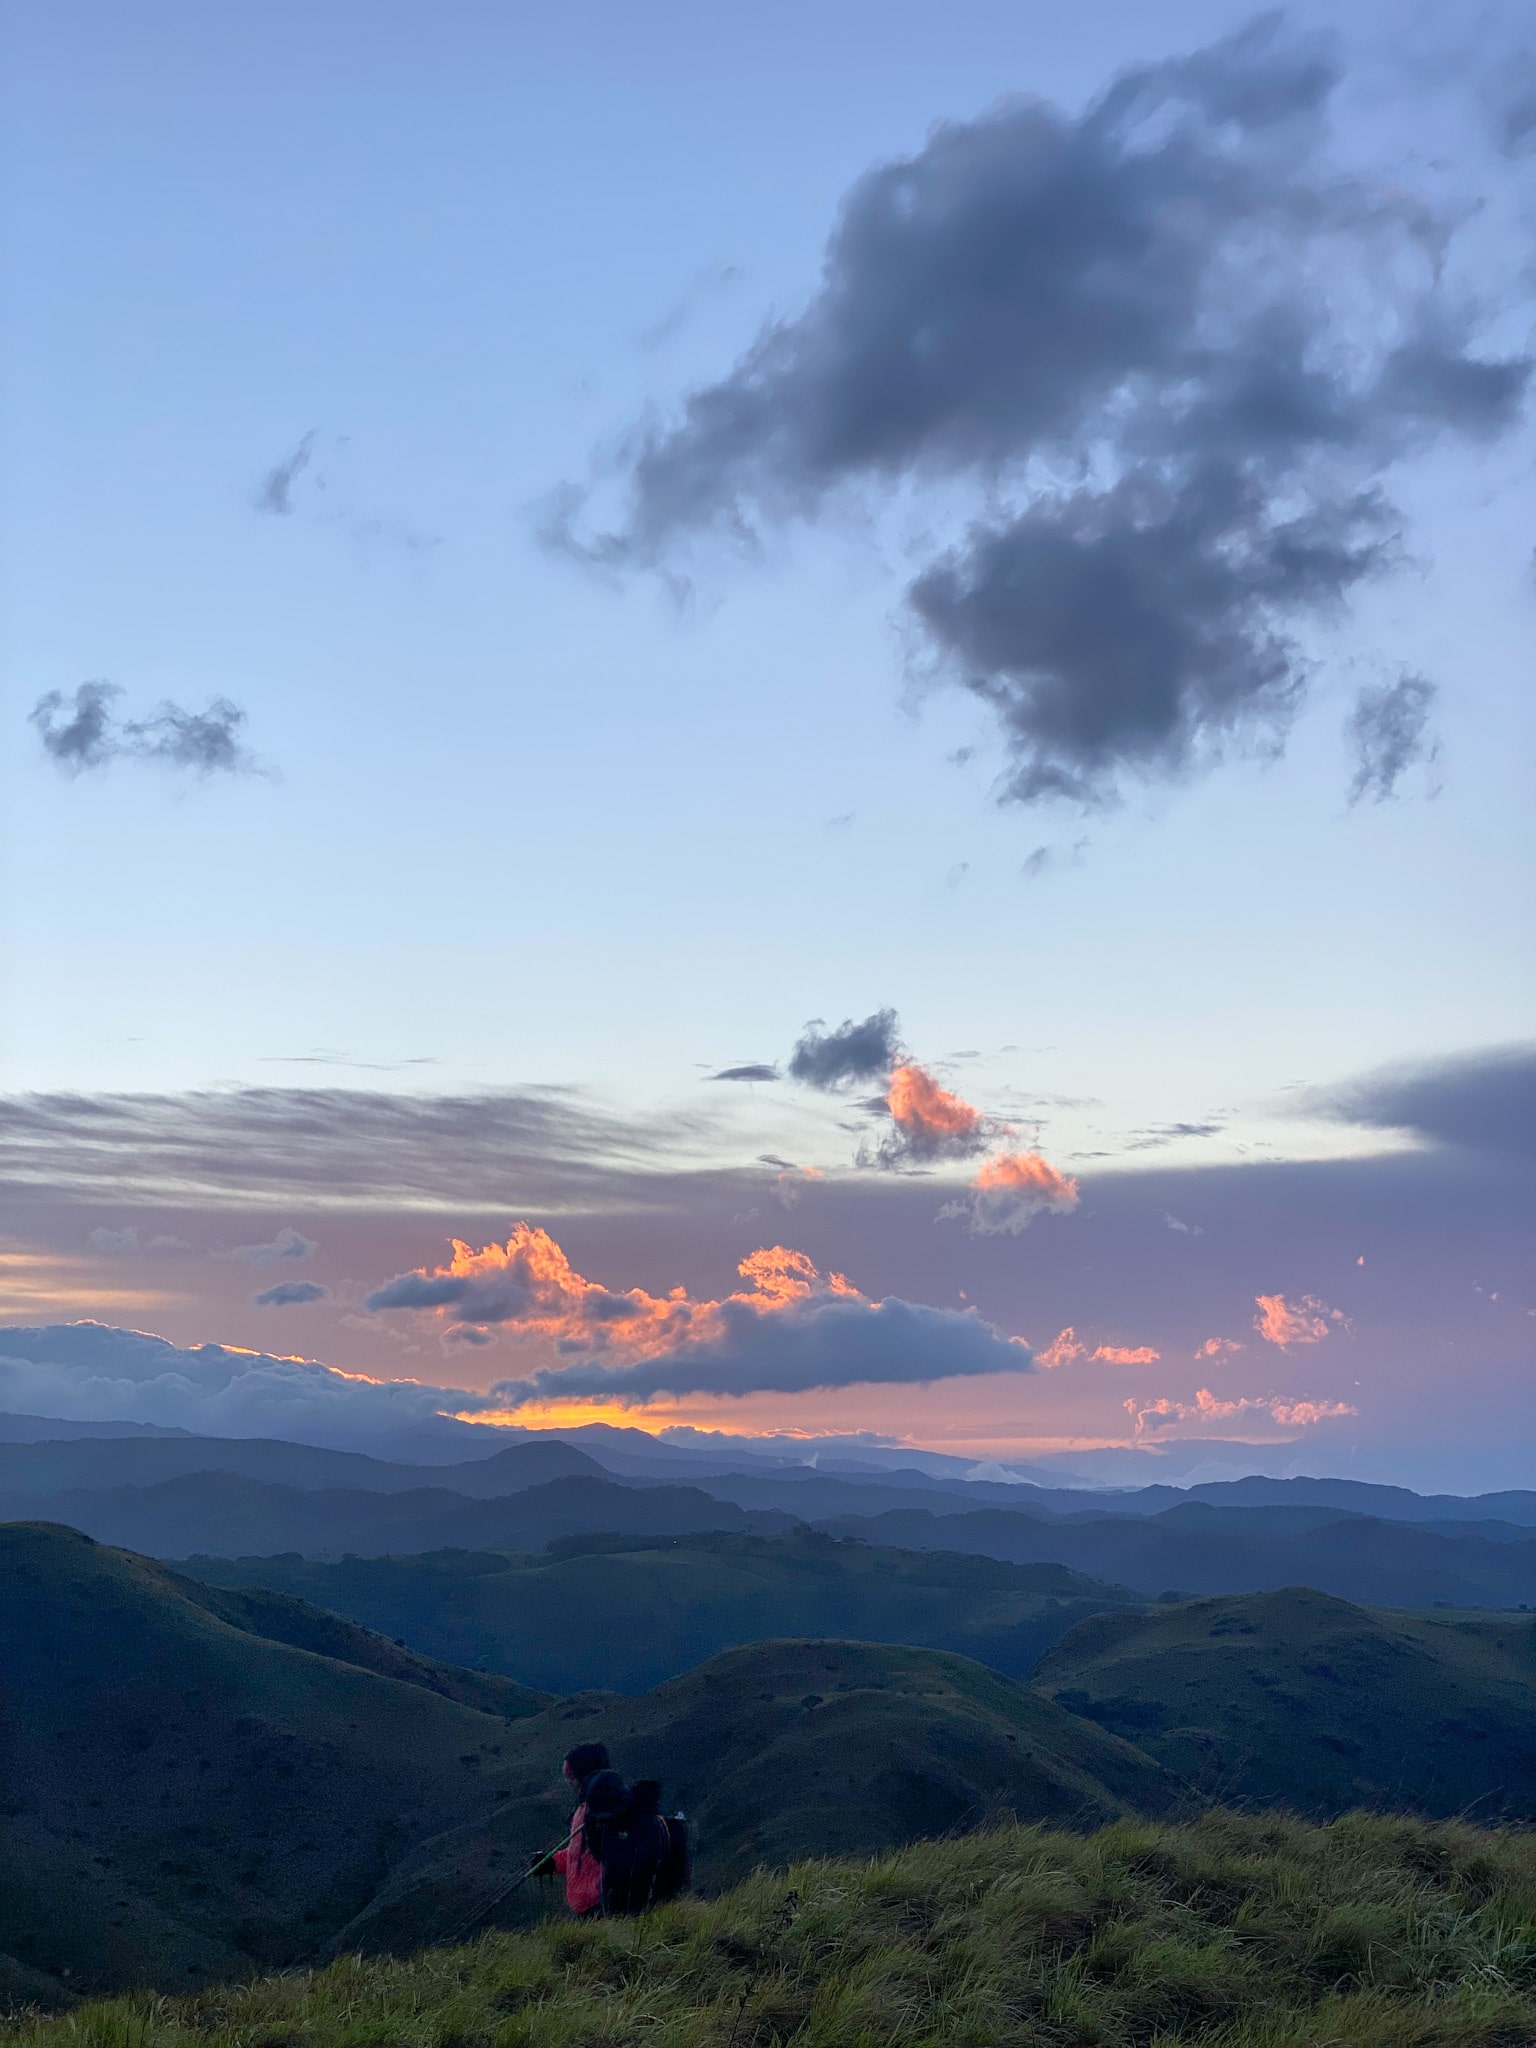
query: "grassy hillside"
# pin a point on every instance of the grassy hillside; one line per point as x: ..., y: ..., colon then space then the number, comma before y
x: 785, y: 1750
x: 648, y: 1611
x: 1300, y: 1699
x: 1247, y: 1933
x: 185, y: 1795
x: 1198, y: 1548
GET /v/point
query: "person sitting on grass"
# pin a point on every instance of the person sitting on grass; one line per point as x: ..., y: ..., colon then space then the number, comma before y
x: 578, y: 1862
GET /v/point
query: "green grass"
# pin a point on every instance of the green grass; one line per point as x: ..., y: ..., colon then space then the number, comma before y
x: 1234, y: 1932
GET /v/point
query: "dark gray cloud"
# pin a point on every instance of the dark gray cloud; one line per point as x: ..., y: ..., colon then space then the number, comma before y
x: 1387, y: 731
x: 1481, y: 1101
x: 78, y: 732
x: 274, y: 493
x: 81, y: 732
x: 853, y: 1052
x: 291, y: 1294
x: 1170, y: 349
x: 819, y: 1342
x: 754, y: 1070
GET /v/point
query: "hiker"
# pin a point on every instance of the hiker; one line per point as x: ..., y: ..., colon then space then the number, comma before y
x: 578, y: 1863
x: 622, y: 1854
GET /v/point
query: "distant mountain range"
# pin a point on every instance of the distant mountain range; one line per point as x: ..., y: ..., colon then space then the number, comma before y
x: 182, y: 1496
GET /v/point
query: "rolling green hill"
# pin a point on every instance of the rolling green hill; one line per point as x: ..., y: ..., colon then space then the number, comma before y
x: 186, y: 1796
x: 649, y: 1610
x: 783, y: 1750
x: 201, y: 1780
x: 1297, y: 1699
x: 1231, y: 1933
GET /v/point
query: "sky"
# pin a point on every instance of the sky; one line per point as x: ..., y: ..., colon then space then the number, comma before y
x: 968, y: 567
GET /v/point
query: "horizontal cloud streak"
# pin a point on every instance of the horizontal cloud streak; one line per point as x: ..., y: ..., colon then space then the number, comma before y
x: 482, y: 1150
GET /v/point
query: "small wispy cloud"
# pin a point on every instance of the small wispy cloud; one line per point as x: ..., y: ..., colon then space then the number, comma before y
x: 120, y: 1243
x: 274, y: 494
x: 289, y: 1244
x: 291, y: 1294
x: 1387, y: 731
x: 81, y: 732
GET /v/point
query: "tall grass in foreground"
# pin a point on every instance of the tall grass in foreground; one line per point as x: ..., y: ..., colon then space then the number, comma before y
x: 1236, y: 1932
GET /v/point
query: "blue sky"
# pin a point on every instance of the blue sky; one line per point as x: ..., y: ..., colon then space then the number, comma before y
x: 527, y: 825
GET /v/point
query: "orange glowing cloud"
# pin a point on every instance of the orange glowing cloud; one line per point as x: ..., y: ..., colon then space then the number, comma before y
x: 1305, y: 1321
x: 931, y: 1123
x: 1124, y: 1354
x: 1010, y: 1191
x: 1218, y: 1349
x: 789, y: 1329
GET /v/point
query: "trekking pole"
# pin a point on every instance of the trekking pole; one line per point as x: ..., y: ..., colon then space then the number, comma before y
x: 506, y: 1891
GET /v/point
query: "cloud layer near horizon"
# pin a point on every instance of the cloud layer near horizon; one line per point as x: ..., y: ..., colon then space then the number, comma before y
x: 792, y: 1328
x: 1166, y: 351
x: 92, y: 1372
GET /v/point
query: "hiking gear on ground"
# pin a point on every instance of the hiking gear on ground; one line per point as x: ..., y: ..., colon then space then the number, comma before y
x: 548, y: 1861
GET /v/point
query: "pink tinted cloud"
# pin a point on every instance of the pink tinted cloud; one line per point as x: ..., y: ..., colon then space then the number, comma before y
x: 1063, y: 1349
x: 1303, y: 1321
x: 1219, y: 1349
x: 1211, y: 1407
